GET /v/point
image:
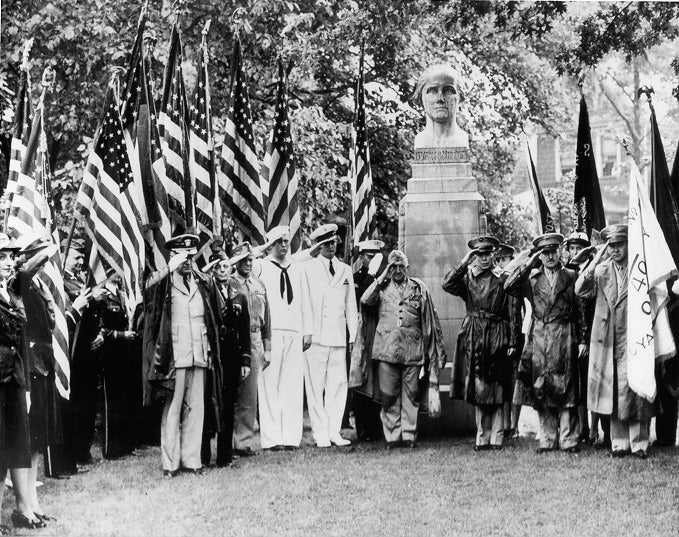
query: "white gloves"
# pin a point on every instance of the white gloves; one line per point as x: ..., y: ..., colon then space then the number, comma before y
x: 374, y: 264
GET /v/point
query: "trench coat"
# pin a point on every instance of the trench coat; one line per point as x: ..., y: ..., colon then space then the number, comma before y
x: 481, y: 366
x: 548, y: 369
x: 158, y: 368
x: 369, y: 349
x: 608, y: 390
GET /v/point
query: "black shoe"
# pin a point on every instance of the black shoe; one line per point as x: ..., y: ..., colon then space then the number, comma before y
x: 247, y: 452
x: 572, y: 449
x: 640, y: 454
x: 195, y: 471
x: 224, y: 463
x: 410, y: 444
x: 167, y: 474
x: 485, y: 447
x: 44, y: 517
x: 22, y: 521
x: 290, y: 448
x: 275, y: 448
x: 544, y: 449
x: 619, y: 453
x: 392, y: 445
x: 496, y: 448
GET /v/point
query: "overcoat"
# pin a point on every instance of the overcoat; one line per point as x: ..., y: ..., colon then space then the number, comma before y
x: 608, y: 391
x: 481, y: 366
x: 548, y: 370
x: 363, y: 372
x: 158, y: 369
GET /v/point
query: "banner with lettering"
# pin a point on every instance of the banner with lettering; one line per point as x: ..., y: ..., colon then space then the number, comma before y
x: 649, y: 337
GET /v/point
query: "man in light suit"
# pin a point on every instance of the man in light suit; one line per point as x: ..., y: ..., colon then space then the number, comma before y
x: 333, y: 306
x: 281, y: 383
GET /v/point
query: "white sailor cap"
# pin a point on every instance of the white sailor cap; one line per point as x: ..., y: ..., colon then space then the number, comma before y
x: 324, y: 233
x: 370, y: 246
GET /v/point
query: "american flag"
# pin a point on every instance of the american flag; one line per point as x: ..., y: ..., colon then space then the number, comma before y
x: 21, y: 131
x: 31, y: 214
x: 361, y: 175
x: 202, y: 150
x: 279, y: 169
x: 143, y: 142
x: 172, y: 124
x: 239, y: 184
x: 108, y: 205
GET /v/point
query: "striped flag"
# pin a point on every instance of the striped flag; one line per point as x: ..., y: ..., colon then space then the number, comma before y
x: 279, y: 171
x: 239, y: 183
x: 546, y: 222
x: 143, y: 142
x: 21, y: 132
x: 361, y: 176
x: 108, y: 205
x: 30, y: 214
x: 202, y: 150
x: 172, y: 124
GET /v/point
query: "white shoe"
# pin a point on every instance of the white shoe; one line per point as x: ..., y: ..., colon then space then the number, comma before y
x: 323, y: 443
x: 339, y: 441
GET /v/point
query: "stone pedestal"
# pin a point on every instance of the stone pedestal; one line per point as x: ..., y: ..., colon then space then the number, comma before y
x: 438, y: 216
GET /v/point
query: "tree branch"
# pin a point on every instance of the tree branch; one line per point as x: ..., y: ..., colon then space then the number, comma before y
x: 623, y: 116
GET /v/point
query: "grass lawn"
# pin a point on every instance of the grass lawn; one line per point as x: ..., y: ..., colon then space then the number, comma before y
x: 440, y: 488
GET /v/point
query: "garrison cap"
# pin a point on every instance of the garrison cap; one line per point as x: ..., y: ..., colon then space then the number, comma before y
x: 7, y: 244
x: 397, y: 256
x: 186, y: 242
x: 484, y: 244
x: 324, y: 233
x: 373, y: 246
x: 548, y: 241
x: 504, y: 250
x: 614, y: 233
x: 241, y: 251
x: 578, y: 237
x: 77, y: 245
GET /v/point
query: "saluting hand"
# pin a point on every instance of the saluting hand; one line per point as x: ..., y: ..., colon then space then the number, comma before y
x: 467, y: 259
x: 177, y: 260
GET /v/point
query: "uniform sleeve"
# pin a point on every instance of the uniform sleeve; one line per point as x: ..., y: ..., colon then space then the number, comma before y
x: 585, y: 285
x: 371, y: 296
x: 266, y: 325
x: 517, y: 283
x: 244, y: 332
x: 351, y: 309
x: 454, y: 282
x: 156, y: 276
x: 307, y: 312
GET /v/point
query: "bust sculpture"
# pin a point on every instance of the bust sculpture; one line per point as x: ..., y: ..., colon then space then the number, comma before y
x: 438, y: 90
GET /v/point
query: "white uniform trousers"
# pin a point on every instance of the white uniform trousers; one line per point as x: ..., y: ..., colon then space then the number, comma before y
x: 181, y: 426
x: 245, y: 412
x: 281, y: 392
x: 325, y: 382
x: 629, y: 435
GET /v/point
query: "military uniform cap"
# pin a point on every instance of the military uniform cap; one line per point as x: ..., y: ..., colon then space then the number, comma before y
x: 504, y: 250
x: 186, y: 242
x: 215, y: 257
x: 484, y: 244
x: 77, y: 245
x: 241, y: 251
x: 370, y: 246
x: 578, y: 237
x: 276, y: 233
x: 7, y: 244
x: 614, y: 233
x: 324, y: 233
x: 548, y: 241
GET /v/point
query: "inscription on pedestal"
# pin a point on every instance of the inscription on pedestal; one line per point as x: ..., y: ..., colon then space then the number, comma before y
x: 427, y: 155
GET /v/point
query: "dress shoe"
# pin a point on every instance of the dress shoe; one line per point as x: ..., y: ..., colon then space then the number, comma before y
x: 44, y: 517
x: 22, y: 521
x: 544, y: 449
x: 392, y: 445
x: 496, y: 447
x: 484, y: 447
x: 246, y: 452
x: 274, y: 448
x: 572, y: 449
x: 619, y: 453
x: 339, y: 441
x: 410, y: 444
x: 640, y: 454
x: 170, y: 473
x: 323, y: 443
x: 195, y: 471
x: 290, y: 448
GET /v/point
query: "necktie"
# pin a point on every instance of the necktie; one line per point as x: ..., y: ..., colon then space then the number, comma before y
x: 285, y: 284
x: 332, y: 269
x: 187, y: 283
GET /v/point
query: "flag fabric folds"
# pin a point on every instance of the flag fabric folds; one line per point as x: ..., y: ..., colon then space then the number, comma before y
x: 21, y: 132
x: 202, y: 151
x: 546, y: 222
x: 139, y: 120
x: 361, y: 176
x: 649, y: 338
x: 31, y: 214
x: 172, y: 124
x: 587, y: 202
x: 239, y: 182
x: 108, y: 205
x: 662, y: 194
x: 279, y: 169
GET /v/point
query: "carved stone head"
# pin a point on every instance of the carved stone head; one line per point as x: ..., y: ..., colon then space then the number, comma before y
x: 438, y: 90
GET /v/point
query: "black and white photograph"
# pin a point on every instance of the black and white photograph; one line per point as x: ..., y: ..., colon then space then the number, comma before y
x: 383, y: 268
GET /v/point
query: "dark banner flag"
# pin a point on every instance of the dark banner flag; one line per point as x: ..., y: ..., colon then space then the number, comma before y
x: 546, y: 221
x: 587, y: 203
x: 663, y: 198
